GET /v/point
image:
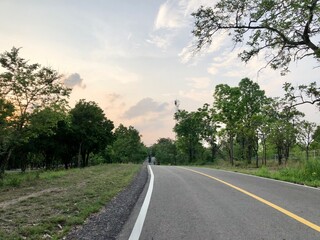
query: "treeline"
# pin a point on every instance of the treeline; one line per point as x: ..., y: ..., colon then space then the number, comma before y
x: 242, y: 126
x: 39, y: 130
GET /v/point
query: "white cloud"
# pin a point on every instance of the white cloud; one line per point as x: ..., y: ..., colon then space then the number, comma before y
x: 199, y: 83
x: 160, y: 41
x: 196, y: 95
x: 122, y: 75
x: 191, y: 6
x: 169, y: 16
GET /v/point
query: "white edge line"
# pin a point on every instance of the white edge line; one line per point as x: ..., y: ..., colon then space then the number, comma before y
x: 136, y: 231
x: 271, y: 179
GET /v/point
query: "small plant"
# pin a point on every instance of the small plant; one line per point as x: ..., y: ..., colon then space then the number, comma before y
x: 263, y: 171
x: 14, y: 182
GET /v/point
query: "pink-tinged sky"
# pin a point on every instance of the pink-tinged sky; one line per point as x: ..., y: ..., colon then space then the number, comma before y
x: 133, y: 57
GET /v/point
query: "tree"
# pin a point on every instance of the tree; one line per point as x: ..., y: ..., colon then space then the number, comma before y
x: 188, y: 129
x: 91, y: 129
x: 284, y: 30
x: 208, y: 119
x: 266, y: 118
x: 165, y: 151
x: 45, y: 124
x: 251, y: 101
x: 28, y: 87
x: 127, y: 146
x: 226, y: 102
x: 284, y: 128
x: 306, y: 132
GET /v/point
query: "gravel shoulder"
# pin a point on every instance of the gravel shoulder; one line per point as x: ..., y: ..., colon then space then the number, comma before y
x: 108, y: 223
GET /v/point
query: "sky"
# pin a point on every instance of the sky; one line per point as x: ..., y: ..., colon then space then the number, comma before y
x: 134, y: 57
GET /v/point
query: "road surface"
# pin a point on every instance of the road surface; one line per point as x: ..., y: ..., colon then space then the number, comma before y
x: 199, y: 203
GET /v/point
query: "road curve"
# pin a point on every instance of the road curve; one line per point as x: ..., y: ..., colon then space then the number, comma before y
x: 209, y: 204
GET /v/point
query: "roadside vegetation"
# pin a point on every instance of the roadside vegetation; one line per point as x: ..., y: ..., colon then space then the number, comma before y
x: 38, y: 129
x: 53, y: 171
x: 47, y: 204
x: 300, y: 172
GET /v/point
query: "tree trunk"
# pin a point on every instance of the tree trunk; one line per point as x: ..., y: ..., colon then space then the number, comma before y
x: 87, y: 159
x: 213, y: 151
x: 231, y: 150
x: 264, y: 152
x: 4, y: 162
x: 190, y: 151
x: 79, y: 155
x: 279, y: 155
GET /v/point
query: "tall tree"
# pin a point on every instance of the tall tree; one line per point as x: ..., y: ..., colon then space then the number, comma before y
x: 226, y: 102
x: 27, y: 87
x: 208, y: 119
x: 284, y: 128
x: 251, y: 101
x: 288, y: 30
x: 91, y: 129
x: 188, y: 129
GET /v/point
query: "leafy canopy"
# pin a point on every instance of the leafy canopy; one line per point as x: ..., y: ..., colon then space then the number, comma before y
x: 29, y: 87
x: 284, y: 30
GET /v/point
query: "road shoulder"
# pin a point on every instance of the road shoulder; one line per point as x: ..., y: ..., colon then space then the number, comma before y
x: 108, y: 223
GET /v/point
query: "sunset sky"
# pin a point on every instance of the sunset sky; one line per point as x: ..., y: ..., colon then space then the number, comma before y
x: 134, y: 57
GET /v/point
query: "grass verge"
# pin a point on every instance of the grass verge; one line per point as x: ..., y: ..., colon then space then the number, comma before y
x: 305, y: 173
x: 46, y: 205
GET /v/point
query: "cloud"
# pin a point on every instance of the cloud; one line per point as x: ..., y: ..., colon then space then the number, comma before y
x: 122, y: 75
x: 114, y: 104
x: 196, y: 95
x: 160, y: 41
x: 112, y: 97
x: 74, y: 80
x: 199, y: 83
x: 169, y: 19
x: 169, y: 16
x: 145, y: 107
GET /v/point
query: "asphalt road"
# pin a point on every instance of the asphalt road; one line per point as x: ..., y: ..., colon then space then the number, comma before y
x: 225, y: 205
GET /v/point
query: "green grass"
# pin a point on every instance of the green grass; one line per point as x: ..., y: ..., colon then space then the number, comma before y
x: 40, y: 204
x: 306, y: 173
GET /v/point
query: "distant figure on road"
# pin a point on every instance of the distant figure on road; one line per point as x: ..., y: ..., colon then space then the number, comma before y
x: 149, y: 159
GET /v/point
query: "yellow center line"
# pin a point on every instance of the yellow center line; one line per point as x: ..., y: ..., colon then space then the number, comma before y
x: 280, y: 209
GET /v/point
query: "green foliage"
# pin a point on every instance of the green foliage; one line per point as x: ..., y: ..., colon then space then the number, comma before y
x: 30, y: 88
x: 287, y: 29
x: 165, y: 151
x: 302, y: 94
x: 127, y: 146
x: 190, y: 128
x: 239, y: 109
x: 92, y: 130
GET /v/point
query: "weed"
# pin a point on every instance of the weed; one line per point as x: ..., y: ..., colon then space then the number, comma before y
x: 14, y: 182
